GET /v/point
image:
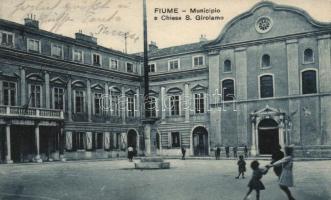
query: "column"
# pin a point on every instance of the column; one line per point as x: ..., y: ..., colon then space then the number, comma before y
x: 293, y: 87
x: 8, y: 156
x: 69, y: 100
x: 324, y: 44
x: 241, y: 93
x: 253, y: 147
x: 163, y: 103
x: 137, y: 103
x: 37, y: 139
x: 281, y: 135
x: 105, y: 101
x: 147, y: 132
x: 61, y: 150
x: 123, y: 105
x: 23, y: 87
x: 47, y: 92
x: 187, y: 96
x: 89, y: 97
x: 214, y: 93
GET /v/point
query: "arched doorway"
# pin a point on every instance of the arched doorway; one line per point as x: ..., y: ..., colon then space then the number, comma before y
x: 200, y: 141
x: 132, y: 139
x: 268, y: 136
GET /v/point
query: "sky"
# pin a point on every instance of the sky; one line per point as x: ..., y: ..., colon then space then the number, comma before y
x: 109, y: 20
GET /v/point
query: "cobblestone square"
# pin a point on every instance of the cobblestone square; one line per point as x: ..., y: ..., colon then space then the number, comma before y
x: 186, y: 180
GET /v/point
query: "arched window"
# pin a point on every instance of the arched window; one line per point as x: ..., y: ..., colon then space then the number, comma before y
x: 266, y: 86
x: 308, y: 56
x: 228, y: 90
x: 309, y: 83
x: 266, y: 61
x: 227, y: 66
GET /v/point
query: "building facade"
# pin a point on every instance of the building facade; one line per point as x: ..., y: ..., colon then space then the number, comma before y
x: 71, y: 98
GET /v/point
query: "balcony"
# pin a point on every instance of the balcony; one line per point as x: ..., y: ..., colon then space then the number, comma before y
x: 38, y: 113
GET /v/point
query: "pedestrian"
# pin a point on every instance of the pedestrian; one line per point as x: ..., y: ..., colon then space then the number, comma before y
x: 235, y: 151
x: 130, y: 153
x: 218, y: 152
x: 246, y: 151
x: 277, y: 154
x: 227, y: 151
x: 215, y: 150
x: 286, y: 177
x: 183, y: 152
x: 255, y: 182
x: 241, y: 167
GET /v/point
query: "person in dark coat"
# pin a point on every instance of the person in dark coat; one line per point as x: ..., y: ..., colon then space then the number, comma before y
x: 255, y: 182
x: 277, y: 154
x: 183, y: 153
x: 241, y: 167
x: 235, y: 151
x: 227, y: 151
x: 218, y: 153
x: 246, y: 151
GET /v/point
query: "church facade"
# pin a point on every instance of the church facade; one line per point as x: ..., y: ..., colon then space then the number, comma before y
x: 66, y: 98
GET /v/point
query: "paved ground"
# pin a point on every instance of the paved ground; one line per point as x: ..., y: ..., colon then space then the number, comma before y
x: 186, y: 180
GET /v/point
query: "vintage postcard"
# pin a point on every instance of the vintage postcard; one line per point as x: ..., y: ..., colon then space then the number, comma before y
x: 165, y: 99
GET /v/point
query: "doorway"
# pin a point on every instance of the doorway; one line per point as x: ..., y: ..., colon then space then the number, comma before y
x: 132, y: 140
x: 200, y: 141
x: 268, y: 136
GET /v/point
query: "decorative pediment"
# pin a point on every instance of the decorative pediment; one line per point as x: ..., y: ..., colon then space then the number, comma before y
x: 34, y: 77
x: 97, y: 86
x: 115, y: 90
x: 267, y: 111
x: 153, y: 93
x: 130, y: 92
x: 58, y: 80
x: 78, y: 83
x: 174, y: 90
x: 199, y: 87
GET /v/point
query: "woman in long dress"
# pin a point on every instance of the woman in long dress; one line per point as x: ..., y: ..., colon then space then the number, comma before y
x: 286, y: 177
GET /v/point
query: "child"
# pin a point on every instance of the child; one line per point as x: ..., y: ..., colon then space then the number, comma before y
x: 241, y: 167
x: 255, y: 183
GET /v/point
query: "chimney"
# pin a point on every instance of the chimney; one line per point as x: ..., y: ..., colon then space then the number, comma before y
x: 86, y: 38
x: 152, y: 46
x: 203, y: 38
x: 31, y: 21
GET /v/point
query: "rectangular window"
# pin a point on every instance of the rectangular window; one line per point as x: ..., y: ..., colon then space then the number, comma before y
x: 34, y: 45
x: 114, y: 64
x: 97, y: 103
x: 79, y: 140
x: 130, y: 106
x: 199, y: 103
x: 198, y: 61
x: 97, y: 141
x: 175, y: 139
x: 151, y: 111
x: 129, y: 67
x: 151, y: 68
x: 9, y: 93
x: 35, y: 96
x: 114, y: 105
x: 174, y: 105
x: 173, y: 64
x: 78, y: 55
x: 57, y: 51
x: 96, y: 59
x: 79, y: 101
x: 7, y: 39
x: 266, y: 86
x: 58, y: 98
